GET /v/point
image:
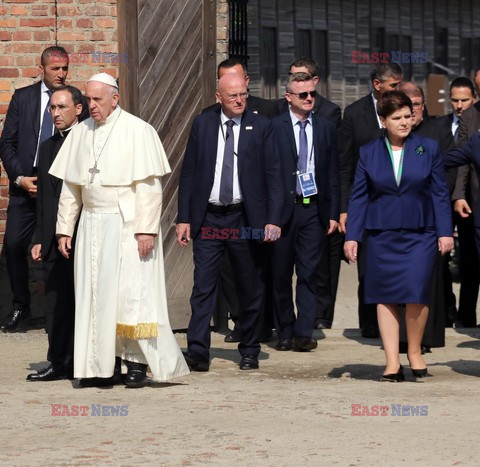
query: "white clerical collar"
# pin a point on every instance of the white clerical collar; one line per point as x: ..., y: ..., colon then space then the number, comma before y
x: 224, y: 118
x: 112, y: 117
x: 66, y: 130
x: 295, y: 119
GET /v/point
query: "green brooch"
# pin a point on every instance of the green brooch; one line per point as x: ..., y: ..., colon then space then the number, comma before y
x: 420, y: 150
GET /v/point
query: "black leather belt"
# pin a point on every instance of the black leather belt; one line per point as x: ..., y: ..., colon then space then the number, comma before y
x: 309, y: 199
x: 224, y: 209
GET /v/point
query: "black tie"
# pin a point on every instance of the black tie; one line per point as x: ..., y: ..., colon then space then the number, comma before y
x: 226, y: 181
x: 47, y: 122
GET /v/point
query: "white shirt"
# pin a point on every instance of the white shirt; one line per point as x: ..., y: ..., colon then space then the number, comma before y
x: 43, y: 104
x: 376, y: 114
x: 222, y: 132
x: 309, y: 132
x: 397, y: 155
x: 455, y: 124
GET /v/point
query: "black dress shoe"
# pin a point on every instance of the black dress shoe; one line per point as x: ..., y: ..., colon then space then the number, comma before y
x: 304, y: 344
x: 249, y: 362
x: 394, y: 377
x: 13, y: 320
x: 195, y: 362
x: 321, y: 325
x: 233, y: 337
x: 370, y: 332
x: 284, y: 344
x: 50, y: 373
x: 136, y: 374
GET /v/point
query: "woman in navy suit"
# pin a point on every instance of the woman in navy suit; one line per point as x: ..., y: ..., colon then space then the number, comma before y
x: 400, y: 208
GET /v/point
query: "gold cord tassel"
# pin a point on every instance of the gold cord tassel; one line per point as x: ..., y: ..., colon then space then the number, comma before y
x: 137, y: 331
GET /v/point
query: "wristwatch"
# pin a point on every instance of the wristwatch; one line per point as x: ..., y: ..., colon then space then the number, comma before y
x: 18, y: 180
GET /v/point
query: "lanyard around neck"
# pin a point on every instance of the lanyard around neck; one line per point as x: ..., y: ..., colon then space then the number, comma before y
x: 398, y: 175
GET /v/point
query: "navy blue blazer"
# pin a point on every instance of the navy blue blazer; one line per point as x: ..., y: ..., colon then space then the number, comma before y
x: 469, y: 153
x: 421, y: 201
x: 259, y: 171
x: 327, y: 175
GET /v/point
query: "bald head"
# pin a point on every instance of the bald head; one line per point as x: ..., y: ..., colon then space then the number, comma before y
x: 232, y: 94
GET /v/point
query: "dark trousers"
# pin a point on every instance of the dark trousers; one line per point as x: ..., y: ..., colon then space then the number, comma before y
x: 18, y: 236
x: 328, y: 273
x: 469, y: 272
x: 246, y: 259
x: 60, y: 308
x: 299, y: 247
x: 367, y: 313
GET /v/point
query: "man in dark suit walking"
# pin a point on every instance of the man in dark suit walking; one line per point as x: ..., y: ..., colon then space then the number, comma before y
x: 360, y: 125
x: 465, y: 193
x: 67, y: 106
x: 27, y: 125
x: 308, y: 147
x: 227, y: 300
x: 230, y: 196
x: 323, y: 107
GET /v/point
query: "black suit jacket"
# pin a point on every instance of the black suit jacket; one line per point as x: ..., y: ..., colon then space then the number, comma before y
x: 322, y: 107
x: 18, y: 143
x: 48, y: 194
x: 467, y: 186
x: 256, y: 105
x: 259, y: 171
x: 326, y: 165
x: 440, y: 130
x: 359, y: 127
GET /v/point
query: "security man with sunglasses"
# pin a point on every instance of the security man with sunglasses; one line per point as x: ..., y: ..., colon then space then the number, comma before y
x: 308, y: 148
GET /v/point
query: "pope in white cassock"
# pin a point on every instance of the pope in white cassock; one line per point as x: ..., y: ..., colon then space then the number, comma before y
x: 112, y: 166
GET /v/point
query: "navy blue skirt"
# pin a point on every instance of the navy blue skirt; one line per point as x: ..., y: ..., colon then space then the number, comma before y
x: 399, y: 265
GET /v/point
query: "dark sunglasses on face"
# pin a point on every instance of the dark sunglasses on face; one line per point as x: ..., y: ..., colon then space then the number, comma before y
x: 304, y: 95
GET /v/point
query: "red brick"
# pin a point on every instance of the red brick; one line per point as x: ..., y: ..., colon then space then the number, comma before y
x: 28, y: 48
x: 30, y: 72
x: 65, y: 23
x: 37, y: 22
x: 5, y: 97
x: 5, y: 85
x: 86, y: 48
x: 22, y: 36
x: 3, y: 10
x: 3, y: 215
x: 99, y: 10
x: 70, y: 36
x: 85, y: 23
x: 8, y: 23
x: 40, y: 10
x: 3, y: 205
x: 97, y: 36
x: 25, y: 60
x: 5, y: 36
x: 18, y: 10
x: 105, y: 23
x: 8, y: 72
x: 67, y: 10
x: 42, y: 36
x: 65, y: 1
x: 6, y: 61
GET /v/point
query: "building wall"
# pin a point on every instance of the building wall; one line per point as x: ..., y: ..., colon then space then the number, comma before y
x: 354, y: 25
x: 27, y: 27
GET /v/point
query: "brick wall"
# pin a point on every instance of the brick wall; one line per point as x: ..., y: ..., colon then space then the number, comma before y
x: 222, y: 30
x: 27, y: 27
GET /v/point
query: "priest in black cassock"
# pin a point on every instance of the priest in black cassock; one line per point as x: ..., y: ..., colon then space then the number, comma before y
x: 67, y: 106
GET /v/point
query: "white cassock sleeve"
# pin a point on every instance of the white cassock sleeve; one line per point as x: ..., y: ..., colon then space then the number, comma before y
x: 148, y: 206
x: 69, y: 208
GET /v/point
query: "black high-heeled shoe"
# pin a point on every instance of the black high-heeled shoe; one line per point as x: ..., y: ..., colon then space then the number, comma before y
x: 394, y: 377
x: 421, y: 373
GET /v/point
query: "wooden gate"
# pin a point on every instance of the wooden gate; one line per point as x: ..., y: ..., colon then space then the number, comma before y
x: 168, y: 78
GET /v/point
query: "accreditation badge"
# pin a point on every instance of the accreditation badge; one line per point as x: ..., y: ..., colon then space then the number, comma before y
x: 307, y: 184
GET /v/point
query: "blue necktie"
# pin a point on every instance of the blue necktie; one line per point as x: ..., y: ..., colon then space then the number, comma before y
x: 302, y: 153
x: 47, y: 122
x: 226, y: 181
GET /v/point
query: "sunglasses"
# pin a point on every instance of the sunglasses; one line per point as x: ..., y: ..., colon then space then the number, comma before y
x: 304, y: 95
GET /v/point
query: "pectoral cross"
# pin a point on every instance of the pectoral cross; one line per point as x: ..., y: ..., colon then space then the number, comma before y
x: 93, y: 171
